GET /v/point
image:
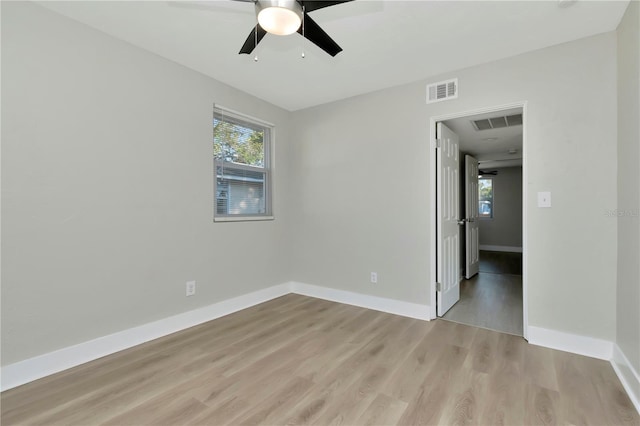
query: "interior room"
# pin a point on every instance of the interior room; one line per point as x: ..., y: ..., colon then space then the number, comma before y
x: 227, y: 212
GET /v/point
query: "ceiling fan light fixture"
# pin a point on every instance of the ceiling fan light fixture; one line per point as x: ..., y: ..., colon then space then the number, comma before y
x: 279, y: 17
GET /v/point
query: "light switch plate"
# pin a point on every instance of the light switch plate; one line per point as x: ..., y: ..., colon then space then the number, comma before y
x: 544, y: 199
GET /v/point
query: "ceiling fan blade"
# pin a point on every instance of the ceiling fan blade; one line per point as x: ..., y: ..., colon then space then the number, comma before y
x: 311, y: 5
x: 317, y: 36
x: 252, y: 41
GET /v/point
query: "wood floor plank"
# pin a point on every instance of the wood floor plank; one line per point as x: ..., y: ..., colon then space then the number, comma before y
x: 158, y: 410
x: 353, y: 401
x: 314, y: 402
x: 461, y: 335
x: 366, y: 353
x: 539, y: 367
x: 592, y: 390
x: 341, y: 315
x: 466, y: 399
x: 580, y: 403
x: 429, y: 401
x: 483, y: 351
x: 179, y: 411
x: 300, y: 360
x: 221, y: 414
x: 510, y: 354
x: 269, y: 410
x: 334, y: 351
x: 542, y: 406
x: 373, y: 378
x: 617, y: 406
x: 505, y: 399
x: 410, y: 374
x: 383, y: 410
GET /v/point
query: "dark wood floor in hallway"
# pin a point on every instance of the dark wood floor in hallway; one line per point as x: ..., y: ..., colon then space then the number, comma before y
x: 492, y: 298
x: 299, y: 360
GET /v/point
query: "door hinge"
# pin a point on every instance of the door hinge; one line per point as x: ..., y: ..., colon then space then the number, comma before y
x: 438, y: 143
x: 438, y: 286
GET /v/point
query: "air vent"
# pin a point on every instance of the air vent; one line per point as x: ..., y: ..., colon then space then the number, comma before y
x: 442, y: 91
x: 514, y: 120
x: 498, y: 122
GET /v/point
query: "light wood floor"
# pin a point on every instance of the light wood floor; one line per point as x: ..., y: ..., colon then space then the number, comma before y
x: 299, y: 360
x: 492, y: 298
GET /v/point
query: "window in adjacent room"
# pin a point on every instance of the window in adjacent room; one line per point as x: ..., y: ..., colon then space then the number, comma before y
x: 485, y: 197
x: 242, y: 154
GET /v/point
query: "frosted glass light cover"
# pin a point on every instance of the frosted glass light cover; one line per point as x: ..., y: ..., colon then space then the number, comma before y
x: 279, y: 21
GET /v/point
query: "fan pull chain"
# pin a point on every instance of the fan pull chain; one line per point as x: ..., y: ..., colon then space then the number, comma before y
x: 255, y: 46
x: 303, y: 15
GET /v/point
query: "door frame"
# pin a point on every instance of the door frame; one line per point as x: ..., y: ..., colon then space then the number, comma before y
x: 433, y: 201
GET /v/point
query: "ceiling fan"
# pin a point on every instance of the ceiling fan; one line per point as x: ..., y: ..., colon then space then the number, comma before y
x: 488, y: 172
x: 284, y: 17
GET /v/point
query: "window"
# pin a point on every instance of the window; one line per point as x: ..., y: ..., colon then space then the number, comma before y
x: 242, y: 154
x: 485, y: 197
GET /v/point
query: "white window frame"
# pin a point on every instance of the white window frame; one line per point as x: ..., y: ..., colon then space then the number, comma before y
x: 268, y: 143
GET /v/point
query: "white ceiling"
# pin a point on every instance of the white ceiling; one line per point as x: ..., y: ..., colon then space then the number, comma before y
x: 491, y: 147
x: 386, y: 43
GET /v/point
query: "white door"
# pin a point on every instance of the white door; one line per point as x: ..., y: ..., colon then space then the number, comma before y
x: 471, y: 225
x: 448, y: 209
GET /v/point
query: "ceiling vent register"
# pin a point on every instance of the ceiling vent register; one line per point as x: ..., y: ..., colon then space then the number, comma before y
x: 442, y: 91
x: 498, y: 122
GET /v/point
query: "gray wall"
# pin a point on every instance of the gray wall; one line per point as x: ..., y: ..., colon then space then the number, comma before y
x: 107, y: 187
x: 505, y: 228
x: 628, y: 291
x: 363, y: 184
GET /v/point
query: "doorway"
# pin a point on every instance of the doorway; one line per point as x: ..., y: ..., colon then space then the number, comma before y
x: 491, y: 264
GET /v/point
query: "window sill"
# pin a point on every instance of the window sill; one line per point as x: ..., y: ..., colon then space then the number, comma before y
x: 242, y: 218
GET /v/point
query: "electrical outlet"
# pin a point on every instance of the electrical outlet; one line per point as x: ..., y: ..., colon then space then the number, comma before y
x: 374, y: 277
x: 191, y: 288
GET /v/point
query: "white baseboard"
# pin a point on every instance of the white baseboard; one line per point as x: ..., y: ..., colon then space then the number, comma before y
x: 581, y: 345
x: 392, y: 306
x: 627, y: 374
x: 507, y: 249
x: 40, y: 366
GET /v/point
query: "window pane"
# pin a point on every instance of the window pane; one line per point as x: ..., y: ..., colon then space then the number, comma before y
x: 485, y: 197
x: 239, y: 192
x: 238, y: 142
